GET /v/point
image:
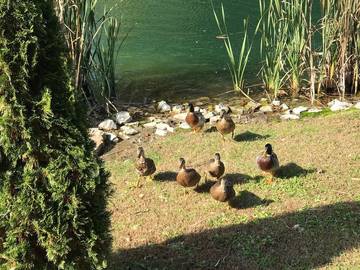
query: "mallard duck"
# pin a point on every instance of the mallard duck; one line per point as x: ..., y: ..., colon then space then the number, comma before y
x: 216, y: 167
x: 222, y: 190
x: 268, y: 162
x: 195, y: 119
x: 225, y: 125
x: 144, y: 166
x: 187, y: 177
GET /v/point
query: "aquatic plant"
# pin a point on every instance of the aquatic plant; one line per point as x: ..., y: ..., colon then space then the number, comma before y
x: 93, y: 44
x: 53, y: 189
x: 237, y: 65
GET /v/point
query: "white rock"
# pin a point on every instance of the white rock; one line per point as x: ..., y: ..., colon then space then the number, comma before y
x: 107, y: 124
x: 299, y: 110
x: 184, y: 125
x: 123, y: 136
x: 314, y: 110
x: 197, y: 109
x: 220, y: 107
x: 180, y: 116
x: 214, y: 119
x: 132, y: 124
x: 111, y: 137
x: 357, y: 105
x: 123, y: 118
x: 161, y: 132
x: 266, y: 108
x: 128, y: 130
x: 150, y: 125
x: 337, y: 105
x: 276, y: 102
x: 177, y: 108
x: 162, y: 126
x: 171, y: 129
x: 289, y: 117
x: 209, y: 115
x: 163, y: 106
x: 284, y: 107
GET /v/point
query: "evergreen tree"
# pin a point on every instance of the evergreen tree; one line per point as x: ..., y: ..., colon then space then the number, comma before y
x: 53, y: 189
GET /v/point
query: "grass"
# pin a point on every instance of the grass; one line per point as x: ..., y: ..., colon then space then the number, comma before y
x: 308, y: 219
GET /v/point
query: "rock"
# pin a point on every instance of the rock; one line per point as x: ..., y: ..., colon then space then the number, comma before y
x: 150, y: 125
x: 123, y: 117
x: 196, y: 109
x: 184, y: 125
x: 111, y: 137
x: 162, y: 126
x: 266, y: 108
x: 284, y: 107
x: 132, y: 124
x: 180, y: 116
x: 163, y: 106
x: 123, y: 136
x: 276, y: 102
x: 314, y: 110
x: 357, y: 105
x: 177, y: 108
x: 337, y: 105
x: 251, y: 106
x: 97, y: 136
x: 220, y: 107
x: 171, y: 129
x: 208, y: 115
x: 299, y: 110
x: 107, y: 124
x: 289, y: 117
x: 161, y: 132
x: 203, y: 111
x: 128, y: 130
x: 214, y: 119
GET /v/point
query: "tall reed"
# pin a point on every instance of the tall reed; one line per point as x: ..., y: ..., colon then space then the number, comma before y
x: 237, y: 65
x: 93, y: 45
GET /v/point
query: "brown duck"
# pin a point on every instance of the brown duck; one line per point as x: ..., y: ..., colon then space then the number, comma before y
x: 144, y: 166
x: 222, y: 190
x: 187, y: 177
x: 194, y: 119
x: 216, y: 167
x: 268, y: 162
x: 225, y: 125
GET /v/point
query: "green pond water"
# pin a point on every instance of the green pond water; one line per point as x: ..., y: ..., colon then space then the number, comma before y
x: 172, y: 51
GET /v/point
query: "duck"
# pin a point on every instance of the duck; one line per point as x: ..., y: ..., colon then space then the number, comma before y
x: 268, y: 162
x: 194, y: 119
x: 225, y: 124
x: 216, y: 167
x: 145, y: 167
x: 222, y: 190
x: 187, y: 177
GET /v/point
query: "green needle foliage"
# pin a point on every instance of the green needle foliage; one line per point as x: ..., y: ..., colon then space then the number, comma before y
x: 53, y: 190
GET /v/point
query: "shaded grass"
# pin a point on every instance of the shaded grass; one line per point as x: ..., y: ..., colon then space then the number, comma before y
x: 159, y: 227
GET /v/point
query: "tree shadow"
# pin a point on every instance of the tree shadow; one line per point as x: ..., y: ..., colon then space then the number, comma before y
x: 249, y: 137
x: 205, y: 187
x: 290, y: 170
x: 210, y: 129
x: 298, y: 240
x: 238, y: 178
x: 246, y: 199
x: 165, y: 176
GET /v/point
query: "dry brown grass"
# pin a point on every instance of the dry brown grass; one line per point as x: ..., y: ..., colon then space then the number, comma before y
x: 158, y: 227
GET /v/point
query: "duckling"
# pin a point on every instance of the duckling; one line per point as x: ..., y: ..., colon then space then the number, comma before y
x: 268, y: 162
x: 194, y: 119
x: 144, y: 166
x: 187, y: 177
x: 216, y: 167
x: 222, y: 190
x: 225, y: 125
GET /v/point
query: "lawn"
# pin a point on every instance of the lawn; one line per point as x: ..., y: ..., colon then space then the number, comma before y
x: 309, y: 218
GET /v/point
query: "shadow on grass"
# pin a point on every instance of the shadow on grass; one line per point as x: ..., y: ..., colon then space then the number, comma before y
x: 266, y: 243
x: 165, y: 176
x: 238, y: 178
x: 210, y: 129
x: 290, y: 170
x: 205, y: 187
x: 249, y: 136
x: 246, y: 199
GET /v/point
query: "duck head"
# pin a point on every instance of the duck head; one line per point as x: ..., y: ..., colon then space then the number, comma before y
x: 217, y: 157
x: 268, y: 149
x: 191, y: 107
x: 182, y: 163
x: 140, y: 152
